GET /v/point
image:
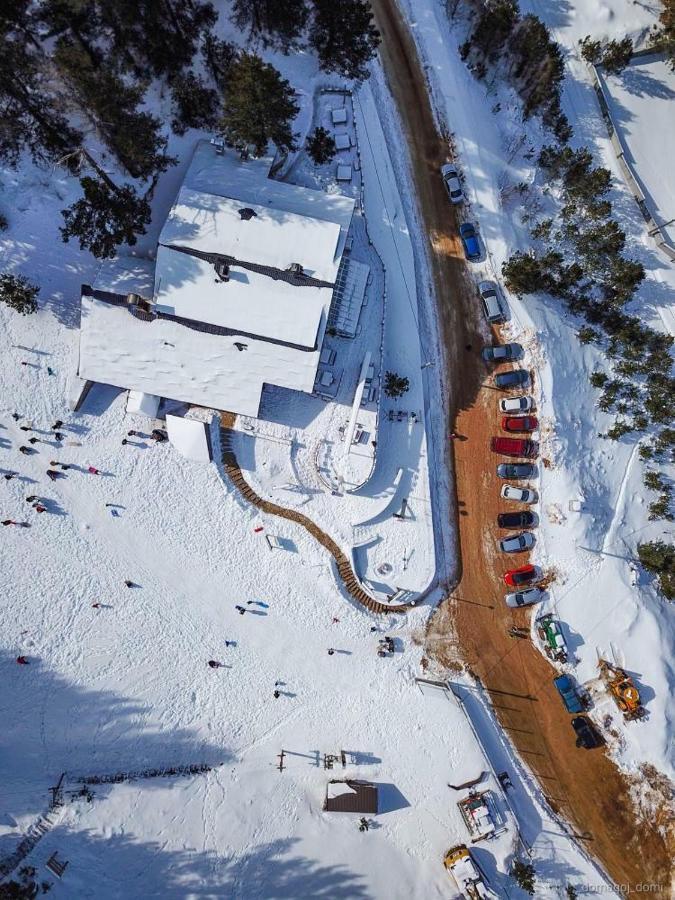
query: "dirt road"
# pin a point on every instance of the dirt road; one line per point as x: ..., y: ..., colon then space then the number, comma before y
x: 585, y: 786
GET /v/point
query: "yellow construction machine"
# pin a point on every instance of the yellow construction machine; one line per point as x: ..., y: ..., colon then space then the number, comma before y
x: 622, y: 688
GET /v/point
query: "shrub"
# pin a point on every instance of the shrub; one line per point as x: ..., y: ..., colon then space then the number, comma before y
x: 524, y: 875
x: 395, y: 385
x: 321, y: 146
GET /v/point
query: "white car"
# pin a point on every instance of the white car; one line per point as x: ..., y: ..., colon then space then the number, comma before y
x: 516, y: 404
x: 516, y: 543
x: 452, y: 183
x: 520, y: 495
x: 523, y: 598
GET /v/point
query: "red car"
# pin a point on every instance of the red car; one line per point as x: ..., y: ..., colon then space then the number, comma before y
x: 523, y: 575
x: 513, y: 446
x: 520, y: 423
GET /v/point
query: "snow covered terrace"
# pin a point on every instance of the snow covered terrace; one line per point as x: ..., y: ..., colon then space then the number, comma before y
x: 241, y: 292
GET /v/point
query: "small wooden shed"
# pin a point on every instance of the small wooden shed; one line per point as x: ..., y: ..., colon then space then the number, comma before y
x: 351, y: 796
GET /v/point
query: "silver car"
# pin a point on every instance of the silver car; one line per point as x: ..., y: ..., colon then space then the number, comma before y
x: 516, y: 543
x: 452, y: 183
x: 516, y: 404
x: 523, y: 598
x: 520, y: 495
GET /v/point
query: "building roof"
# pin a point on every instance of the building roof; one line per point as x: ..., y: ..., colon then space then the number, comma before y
x: 351, y: 796
x: 267, y: 235
x: 222, y: 282
x: 172, y: 359
x: 187, y: 286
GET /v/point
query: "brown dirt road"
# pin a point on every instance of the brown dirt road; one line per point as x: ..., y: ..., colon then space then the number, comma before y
x: 585, y: 786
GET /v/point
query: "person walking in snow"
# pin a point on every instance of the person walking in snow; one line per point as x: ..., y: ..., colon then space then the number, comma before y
x: 52, y: 475
x: 214, y: 664
x: 96, y: 605
x: 57, y: 425
x: 132, y: 433
x: 240, y: 609
x: 24, y: 428
x: 26, y: 450
x: 93, y: 471
x: 330, y: 651
x: 22, y: 661
x: 129, y: 583
x: 230, y: 643
x: 58, y: 435
x: 38, y: 507
x: 277, y: 695
x: 33, y: 440
x: 16, y: 416
x: 32, y: 498
x: 18, y: 524
x: 9, y: 475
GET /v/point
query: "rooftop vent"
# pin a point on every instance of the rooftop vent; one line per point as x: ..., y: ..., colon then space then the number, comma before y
x: 222, y: 270
x: 247, y: 213
x: 136, y: 301
x: 295, y: 269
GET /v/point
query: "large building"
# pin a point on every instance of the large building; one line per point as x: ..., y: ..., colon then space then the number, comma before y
x: 239, y: 295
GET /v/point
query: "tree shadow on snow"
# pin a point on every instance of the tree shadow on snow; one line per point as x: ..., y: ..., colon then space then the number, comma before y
x: 52, y: 726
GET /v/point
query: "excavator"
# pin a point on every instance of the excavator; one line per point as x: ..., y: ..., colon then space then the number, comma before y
x: 622, y: 688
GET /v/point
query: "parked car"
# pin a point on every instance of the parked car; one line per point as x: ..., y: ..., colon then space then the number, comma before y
x: 516, y: 543
x: 467, y: 233
x: 522, y: 519
x: 568, y: 692
x: 521, y: 575
x: 587, y: 735
x: 516, y: 470
x: 524, y: 598
x: 519, y: 424
x: 520, y: 495
x: 491, y: 302
x: 516, y: 404
x: 515, y: 378
x: 513, y: 446
x: 452, y: 183
x: 502, y: 352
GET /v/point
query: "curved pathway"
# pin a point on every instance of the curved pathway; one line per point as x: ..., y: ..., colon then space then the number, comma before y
x: 345, y: 570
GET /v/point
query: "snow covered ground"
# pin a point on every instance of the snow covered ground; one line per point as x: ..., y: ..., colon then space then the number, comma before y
x: 591, y: 551
x: 126, y: 685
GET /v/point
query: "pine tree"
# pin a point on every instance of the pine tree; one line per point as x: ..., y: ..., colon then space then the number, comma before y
x: 659, y: 558
x: 591, y: 50
x: 278, y: 25
x: 195, y: 105
x: 31, y: 115
x: 105, y: 217
x: 259, y: 107
x: 524, y: 875
x: 134, y: 136
x: 395, y: 385
x: 616, y: 55
x: 344, y: 37
x: 219, y: 57
x: 19, y: 293
x: 523, y: 274
x: 321, y: 146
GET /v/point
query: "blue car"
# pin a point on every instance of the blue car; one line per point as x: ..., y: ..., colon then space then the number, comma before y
x: 565, y: 687
x: 467, y: 232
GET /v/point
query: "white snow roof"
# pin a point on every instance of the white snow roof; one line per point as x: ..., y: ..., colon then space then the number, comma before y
x: 272, y: 237
x: 187, y: 287
x: 171, y: 360
x: 281, y: 322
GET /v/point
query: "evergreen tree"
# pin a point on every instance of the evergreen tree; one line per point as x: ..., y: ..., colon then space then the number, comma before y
x: 344, y: 37
x: 159, y: 36
x: 524, y: 875
x: 195, y: 105
x: 277, y: 24
x: 523, y: 274
x: 259, y: 106
x: 18, y: 292
x: 133, y: 136
x: 31, y: 116
x: 395, y: 385
x: 321, y: 146
x: 76, y: 18
x: 591, y: 50
x: 616, y: 55
x: 218, y: 56
x: 659, y: 558
x: 105, y: 217
x: 624, y: 278
x: 664, y: 39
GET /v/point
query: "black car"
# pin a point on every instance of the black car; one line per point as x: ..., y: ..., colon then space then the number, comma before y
x: 515, y: 378
x: 515, y: 520
x: 587, y: 736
